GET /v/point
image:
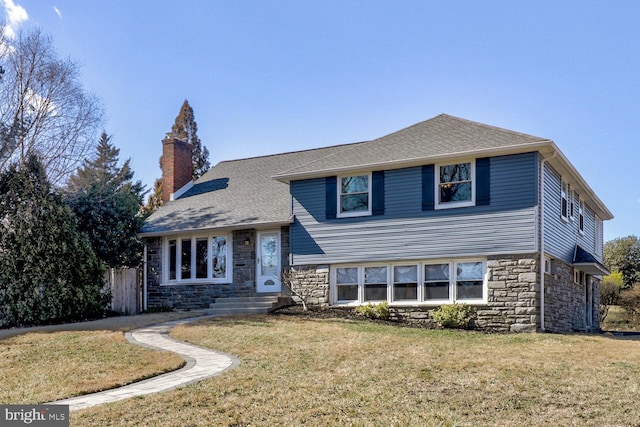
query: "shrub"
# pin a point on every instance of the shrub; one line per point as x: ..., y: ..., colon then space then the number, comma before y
x: 48, y: 271
x: 629, y: 300
x: 454, y: 316
x: 609, y: 295
x: 378, y: 311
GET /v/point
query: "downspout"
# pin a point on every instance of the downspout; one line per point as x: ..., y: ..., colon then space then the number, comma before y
x: 144, y: 279
x: 542, y: 259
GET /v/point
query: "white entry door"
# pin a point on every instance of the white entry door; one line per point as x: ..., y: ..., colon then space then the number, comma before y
x: 268, y: 262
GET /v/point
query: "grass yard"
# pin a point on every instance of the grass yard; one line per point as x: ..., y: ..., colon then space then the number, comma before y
x: 51, y: 363
x: 298, y: 371
x: 619, y: 320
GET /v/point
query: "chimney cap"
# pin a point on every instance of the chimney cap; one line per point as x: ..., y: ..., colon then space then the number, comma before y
x: 174, y: 136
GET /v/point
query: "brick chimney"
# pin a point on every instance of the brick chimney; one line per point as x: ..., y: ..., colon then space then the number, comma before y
x: 176, y: 165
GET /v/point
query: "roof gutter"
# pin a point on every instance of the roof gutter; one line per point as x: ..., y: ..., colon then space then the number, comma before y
x: 225, y: 229
x: 542, y: 258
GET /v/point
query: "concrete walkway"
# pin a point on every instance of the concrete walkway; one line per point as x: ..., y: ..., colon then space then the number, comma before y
x: 201, y: 363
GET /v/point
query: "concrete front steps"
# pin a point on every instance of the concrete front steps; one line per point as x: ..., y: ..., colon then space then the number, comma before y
x: 246, y: 305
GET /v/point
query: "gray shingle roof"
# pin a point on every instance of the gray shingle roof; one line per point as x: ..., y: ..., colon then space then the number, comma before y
x: 244, y: 193
x: 439, y: 137
x: 234, y: 194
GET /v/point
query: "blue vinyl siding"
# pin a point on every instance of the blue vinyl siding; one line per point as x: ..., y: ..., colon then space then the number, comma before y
x: 561, y: 236
x: 405, y: 231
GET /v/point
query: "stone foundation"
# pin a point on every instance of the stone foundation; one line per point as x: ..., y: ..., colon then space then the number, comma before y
x: 313, y: 282
x: 512, y: 303
x: 566, y: 300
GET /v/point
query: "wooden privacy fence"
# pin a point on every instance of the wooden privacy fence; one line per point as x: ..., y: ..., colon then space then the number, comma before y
x: 124, y: 284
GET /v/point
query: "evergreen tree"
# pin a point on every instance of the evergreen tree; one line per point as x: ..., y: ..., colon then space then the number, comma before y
x: 155, y: 199
x: 48, y: 271
x: 108, y: 203
x: 186, y: 127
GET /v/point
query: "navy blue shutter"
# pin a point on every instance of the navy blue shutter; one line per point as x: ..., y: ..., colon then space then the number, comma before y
x: 428, y: 185
x: 331, y: 196
x: 483, y: 181
x: 377, y: 196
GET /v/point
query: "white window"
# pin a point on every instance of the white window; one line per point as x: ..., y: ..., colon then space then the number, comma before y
x: 354, y: 195
x: 581, y: 216
x: 564, y: 201
x: 405, y: 283
x: 456, y: 281
x: 347, y: 284
x: 197, y: 259
x: 375, y: 283
x: 437, y: 282
x: 455, y: 185
x: 571, y: 196
x: 547, y: 265
x: 598, y: 236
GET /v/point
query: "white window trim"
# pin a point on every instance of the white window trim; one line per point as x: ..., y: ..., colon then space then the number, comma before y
x: 598, y: 236
x: 451, y: 205
x: 564, y: 197
x: 420, y: 294
x: 581, y: 217
x: 571, y: 204
x: 209, y: 279
x: 547, y: 264
x: 339, y: 213
x: 453, y: 280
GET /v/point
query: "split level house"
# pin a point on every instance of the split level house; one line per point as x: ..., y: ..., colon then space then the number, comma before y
x: 442, y: 212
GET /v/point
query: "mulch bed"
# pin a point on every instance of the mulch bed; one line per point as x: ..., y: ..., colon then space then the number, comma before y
x: 335, y: 313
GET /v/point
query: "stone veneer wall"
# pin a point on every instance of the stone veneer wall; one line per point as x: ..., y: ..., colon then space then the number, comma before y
x: 512, y: 300
x: 513, y: 303
x: 315, y: 278
x: 195, y: 296
x: 565, y: 300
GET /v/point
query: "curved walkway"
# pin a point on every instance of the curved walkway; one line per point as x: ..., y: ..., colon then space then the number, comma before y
x: 201, y: 363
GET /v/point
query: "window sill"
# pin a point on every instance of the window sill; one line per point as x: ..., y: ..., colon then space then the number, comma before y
x: 196, y: 282
x: 415, y: 304
x: 353, y: 214
x: 454, y: 205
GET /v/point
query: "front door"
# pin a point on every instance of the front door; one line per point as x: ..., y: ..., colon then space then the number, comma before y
x: 268, y: 262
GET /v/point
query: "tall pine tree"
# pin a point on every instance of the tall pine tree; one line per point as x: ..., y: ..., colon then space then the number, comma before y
x: 48, y: 271
x: 108, y: 203
x: 185, y: 126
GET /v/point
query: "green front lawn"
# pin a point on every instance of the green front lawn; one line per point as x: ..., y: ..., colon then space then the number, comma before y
x: 339, y: 372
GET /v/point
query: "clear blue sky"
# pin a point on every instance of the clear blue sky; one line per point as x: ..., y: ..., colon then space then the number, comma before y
x: 271, y: 76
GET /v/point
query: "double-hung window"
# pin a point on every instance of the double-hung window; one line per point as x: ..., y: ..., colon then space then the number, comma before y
x: 455, y: 185
x: 197, y: 258
x: 354, y: 195
x: 456, y: 281
x: 405, y: 283
x: 347, y: 284
x: 375, y: 283
x: 581, y: 217
x: 564, y: 201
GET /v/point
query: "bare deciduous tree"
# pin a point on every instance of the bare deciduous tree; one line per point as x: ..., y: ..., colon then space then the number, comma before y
x: 44, y: 109
x: 296, y: 279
